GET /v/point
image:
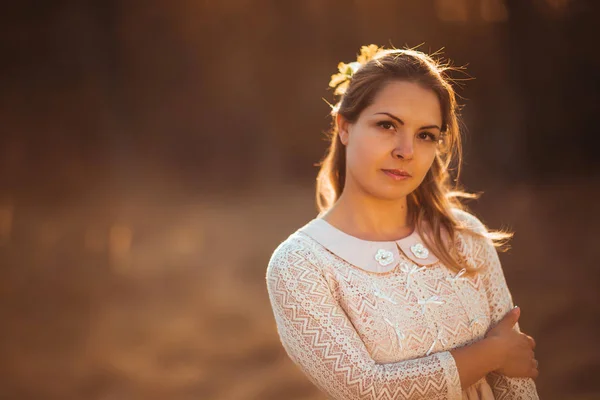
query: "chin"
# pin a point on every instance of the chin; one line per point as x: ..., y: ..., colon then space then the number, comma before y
x: 389, y: 194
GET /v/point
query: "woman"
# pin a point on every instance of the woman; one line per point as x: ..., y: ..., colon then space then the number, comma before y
x: 394, y: 291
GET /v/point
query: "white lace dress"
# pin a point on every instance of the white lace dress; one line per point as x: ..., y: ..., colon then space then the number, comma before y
x: 376, y: 320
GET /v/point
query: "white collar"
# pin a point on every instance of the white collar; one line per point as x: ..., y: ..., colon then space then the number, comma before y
x: 373, y: 256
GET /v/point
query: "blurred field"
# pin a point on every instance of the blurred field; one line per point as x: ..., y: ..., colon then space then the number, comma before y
x: 156, y: 298
x: 153, y: 154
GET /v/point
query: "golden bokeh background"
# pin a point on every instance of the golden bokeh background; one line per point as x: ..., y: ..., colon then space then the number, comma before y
x: 153, y: 154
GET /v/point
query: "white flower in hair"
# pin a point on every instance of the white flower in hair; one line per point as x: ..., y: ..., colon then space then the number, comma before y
x: 341, y: 80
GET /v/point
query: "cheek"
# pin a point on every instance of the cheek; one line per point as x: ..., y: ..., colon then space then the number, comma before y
x: 362, y: 156
x: 424, y: 160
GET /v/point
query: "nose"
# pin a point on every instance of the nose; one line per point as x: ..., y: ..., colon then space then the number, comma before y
x: 404, y: 148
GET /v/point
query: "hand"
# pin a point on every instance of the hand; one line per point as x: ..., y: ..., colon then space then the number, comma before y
x: 518, y: 358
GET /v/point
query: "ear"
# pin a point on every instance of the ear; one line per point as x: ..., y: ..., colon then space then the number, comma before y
x: 343, y: 129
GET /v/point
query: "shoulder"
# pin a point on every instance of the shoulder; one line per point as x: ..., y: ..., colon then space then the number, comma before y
x: 469, y: 221
x: 296, y: 252
x: 472, y: 241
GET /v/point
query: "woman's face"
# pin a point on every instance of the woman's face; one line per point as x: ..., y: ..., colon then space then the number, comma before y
x: 398, y: 131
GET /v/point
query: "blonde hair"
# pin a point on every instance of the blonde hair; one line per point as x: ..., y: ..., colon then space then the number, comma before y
x: 435, y: 201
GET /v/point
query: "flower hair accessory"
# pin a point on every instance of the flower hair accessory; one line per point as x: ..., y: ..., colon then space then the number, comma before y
x: 341, y: 80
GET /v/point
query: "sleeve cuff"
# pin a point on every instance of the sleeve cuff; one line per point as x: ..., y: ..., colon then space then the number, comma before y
x: 452, y: 378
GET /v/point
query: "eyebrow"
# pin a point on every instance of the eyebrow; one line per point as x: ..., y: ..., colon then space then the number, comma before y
x: 402, y: 122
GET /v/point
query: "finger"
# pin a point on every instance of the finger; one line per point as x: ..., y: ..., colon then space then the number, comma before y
x: 531, y: 341
x: 535, y: 373
x: 535, y: 370
x: 511, y: 317
x: 528, y: 341
x: 517, y: 312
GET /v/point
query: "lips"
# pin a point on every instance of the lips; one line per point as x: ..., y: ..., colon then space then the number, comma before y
x: 397, y: 172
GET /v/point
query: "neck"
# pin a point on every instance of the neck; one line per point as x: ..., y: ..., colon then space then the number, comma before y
x: 370, y: 218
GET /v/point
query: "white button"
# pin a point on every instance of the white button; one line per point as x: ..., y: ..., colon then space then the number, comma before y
x: 419, y: 251
x: 384, y: 257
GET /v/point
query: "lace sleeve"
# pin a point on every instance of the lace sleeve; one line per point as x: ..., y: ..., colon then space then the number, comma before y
x: 500, y: 302
x: 318, y: 336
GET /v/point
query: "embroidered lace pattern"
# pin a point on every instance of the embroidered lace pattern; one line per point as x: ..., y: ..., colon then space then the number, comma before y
x: 363, y: 335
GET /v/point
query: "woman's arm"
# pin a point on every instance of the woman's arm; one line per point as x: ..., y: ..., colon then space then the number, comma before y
x: 477, y: 360
x: 321, y: 340
x: 500, y: 303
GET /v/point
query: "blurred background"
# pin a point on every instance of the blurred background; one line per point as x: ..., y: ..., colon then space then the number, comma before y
x: 153, y: 154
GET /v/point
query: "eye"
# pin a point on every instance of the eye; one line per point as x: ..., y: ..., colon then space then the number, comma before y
x: 386, y: 125
x: 427, y: 136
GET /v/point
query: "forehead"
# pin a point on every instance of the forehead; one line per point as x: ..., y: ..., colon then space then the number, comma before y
x: 407, y: 100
